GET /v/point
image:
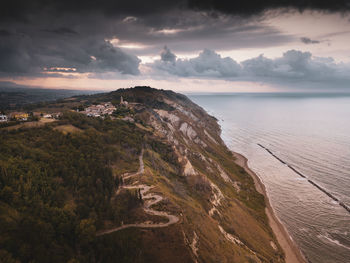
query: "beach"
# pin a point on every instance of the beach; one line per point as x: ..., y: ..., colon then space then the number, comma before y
x: 310, y: 134
x: 291, y: 250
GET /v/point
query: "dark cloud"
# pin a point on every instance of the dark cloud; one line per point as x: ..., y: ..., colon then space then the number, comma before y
x: 62, y: 31
x: 188, y: 31
x: 5, y: 33
x: 307, y: 40
x: 293, y: 67
x: 26, y: 55
x: 208, y: 64
x: 83, y: 41
x: 167, y: 56
x: 106, y: 57
x: 22, y: 9
x: 253, y: 7
x: 77, y: 35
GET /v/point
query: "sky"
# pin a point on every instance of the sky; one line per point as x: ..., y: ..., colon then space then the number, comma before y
x: 186, y: 45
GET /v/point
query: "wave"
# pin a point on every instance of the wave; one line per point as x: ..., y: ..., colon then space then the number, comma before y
x: 333, y: 241
x: 310, y: 181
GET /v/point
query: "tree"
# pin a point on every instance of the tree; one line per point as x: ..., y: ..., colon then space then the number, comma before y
x: 6, y: 257
x: 86, y: 230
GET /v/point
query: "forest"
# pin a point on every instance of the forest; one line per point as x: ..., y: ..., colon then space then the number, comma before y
x: 56, y: 189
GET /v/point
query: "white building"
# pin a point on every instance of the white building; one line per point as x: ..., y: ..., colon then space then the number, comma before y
x: 47, y: 116
x: 3, y: 118
x: 100, y: 110
x: 123, y: 102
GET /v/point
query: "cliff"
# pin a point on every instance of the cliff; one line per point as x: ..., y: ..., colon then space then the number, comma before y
x: 173, y: 192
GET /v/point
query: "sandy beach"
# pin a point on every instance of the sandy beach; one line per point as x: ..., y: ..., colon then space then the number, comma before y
x: 291, y: 250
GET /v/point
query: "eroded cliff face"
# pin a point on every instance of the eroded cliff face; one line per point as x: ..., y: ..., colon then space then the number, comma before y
x: 150, y: 182
x: 221, y: 215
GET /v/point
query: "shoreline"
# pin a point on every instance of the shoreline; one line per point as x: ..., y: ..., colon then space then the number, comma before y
x: 292, y: 252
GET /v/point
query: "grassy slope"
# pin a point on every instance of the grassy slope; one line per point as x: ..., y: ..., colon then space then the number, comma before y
x: 242, y: 213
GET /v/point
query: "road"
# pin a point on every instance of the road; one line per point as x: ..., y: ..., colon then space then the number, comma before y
x: 151, y: 199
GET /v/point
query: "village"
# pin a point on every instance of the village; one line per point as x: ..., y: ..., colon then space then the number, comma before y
x: 25, y: 116
x: 105, y: 109
x: 101, y: 110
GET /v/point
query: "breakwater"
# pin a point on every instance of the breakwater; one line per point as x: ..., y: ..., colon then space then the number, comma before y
x: 305, y: 177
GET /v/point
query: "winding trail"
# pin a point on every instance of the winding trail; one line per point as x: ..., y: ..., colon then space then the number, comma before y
x: 151, y: 198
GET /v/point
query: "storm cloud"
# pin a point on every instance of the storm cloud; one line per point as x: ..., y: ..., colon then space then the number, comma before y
x: 94, y: 42
x: 208, y: 64
x: 22, y: 9
x: 251, y: 7
x: 296, y: 66
x: 58, y: 38
x: 292, y: 67
x: 61, y: 50
x: 167, y: 56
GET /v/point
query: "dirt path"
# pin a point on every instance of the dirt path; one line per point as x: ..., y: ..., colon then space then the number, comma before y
x: 139, y: 172
x: 151, y: 199
x: 292, y: 252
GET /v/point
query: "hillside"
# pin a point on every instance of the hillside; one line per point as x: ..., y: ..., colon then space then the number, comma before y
x: 15, y: 96
x: 158, y: 186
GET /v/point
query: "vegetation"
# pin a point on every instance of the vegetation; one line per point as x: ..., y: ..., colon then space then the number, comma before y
x: 59, y: 179
x: 122, y: 111
x: 56, y: 188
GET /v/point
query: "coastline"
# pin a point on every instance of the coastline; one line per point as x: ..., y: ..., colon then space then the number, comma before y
x: 291, y: 250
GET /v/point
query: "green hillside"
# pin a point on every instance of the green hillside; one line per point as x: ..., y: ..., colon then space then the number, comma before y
x: 71, y: 189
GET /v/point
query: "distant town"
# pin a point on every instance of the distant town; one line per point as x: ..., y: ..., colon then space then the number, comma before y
x: 105, y: 109
x: 28, y: 116
x: 101, y: 110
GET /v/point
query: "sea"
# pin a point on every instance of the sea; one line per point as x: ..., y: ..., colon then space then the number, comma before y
x: 311, y: 134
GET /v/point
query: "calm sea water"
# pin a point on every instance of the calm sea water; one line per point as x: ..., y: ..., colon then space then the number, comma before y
x: 309, y: 132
